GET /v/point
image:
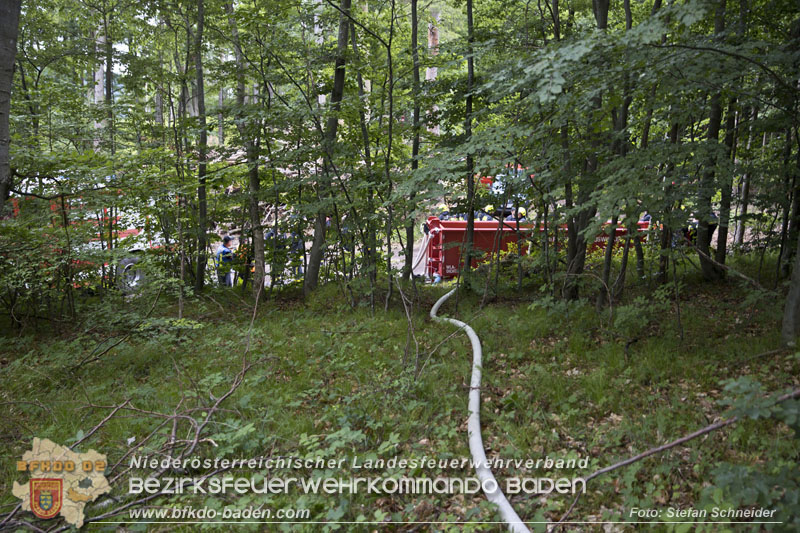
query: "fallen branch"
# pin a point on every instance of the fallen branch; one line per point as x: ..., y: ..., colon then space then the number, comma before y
x: 175, y: 447
x: 102, y: 423
x: 235, y: 385
x: 736, y: 273
x: 766, y: 354
x: 664, y: 447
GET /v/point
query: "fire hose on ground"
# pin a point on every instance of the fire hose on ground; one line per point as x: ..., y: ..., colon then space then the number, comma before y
x: 485, y: 475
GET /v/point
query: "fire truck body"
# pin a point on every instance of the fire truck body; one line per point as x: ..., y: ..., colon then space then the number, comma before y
x: 446, y: 238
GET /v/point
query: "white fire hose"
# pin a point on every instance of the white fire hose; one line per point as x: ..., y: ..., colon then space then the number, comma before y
x: 487, y: 479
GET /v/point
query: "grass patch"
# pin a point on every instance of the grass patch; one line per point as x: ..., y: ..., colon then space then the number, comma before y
x: 338, y: 381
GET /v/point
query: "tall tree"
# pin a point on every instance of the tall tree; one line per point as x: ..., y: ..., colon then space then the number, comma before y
x: 415, y: 127
x: 584, y: 211
x: 247, y: 127
x: 324, y: 185
x: 470, y: 237
x: 708, y: 184
x: 202, y: 149
x: 9, y: 28
x: 726, y: 183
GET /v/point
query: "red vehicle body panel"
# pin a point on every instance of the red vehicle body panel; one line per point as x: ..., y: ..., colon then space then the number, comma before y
x: 447, y: 236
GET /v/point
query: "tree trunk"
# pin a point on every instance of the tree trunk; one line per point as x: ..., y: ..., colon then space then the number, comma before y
x: 202, y: 148
x: 407, y: 268
x: 793, y: 221
x: 789, y: 230
x: 220, y: 118
x: 556, y: 21
x: 727, y: 184
x: 600, y: 8
x: 109, y: 103
x: 744, y: 200
x: 605, y: 293
x: 470, y: 236
x: 666, y: 231
x: 109, y: 97
x: 9, y: 14
x: 708, y: 185
x: 371, y: 237
x: 791, y: 311
x: 318, y: 244
x: 432, y: 72
x: 247, y: 132
x: 569, y: 203
x: 576, y: 240
x: 620, y: 148
x: 99, y: 81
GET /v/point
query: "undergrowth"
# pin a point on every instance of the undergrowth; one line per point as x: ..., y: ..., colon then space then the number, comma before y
x: 336, y: 378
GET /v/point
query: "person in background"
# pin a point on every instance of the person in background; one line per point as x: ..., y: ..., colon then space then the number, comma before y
x: 346, y: 235
x: 296, y: 246
x: 518, y: 216
x: 225, y: 262
x: 646, y: 217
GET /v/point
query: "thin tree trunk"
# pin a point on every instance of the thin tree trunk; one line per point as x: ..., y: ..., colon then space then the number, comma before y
x: 605, y: 291
x: 202, y: 148
x: 247, y: 132
x: 556, y: 21
x: 600, y: 8
x: 569, y: 203
x: 620, y: 147
x: 109, y: 101
x: 99, y: 81
x: 467, y: 252
x: 744, y: 201
x: 576, y: 240
x: 789, y: 205
x: 371, y: 237
x: 407, y: 273
x: 9, y: 14
x: 109, y: 74
x: 388, y: 158
x: 318, y: 244
x: 791, y: 311
x: 793, y: 221
x: 727, y: 184
x: 619, y: 284
x: 666, y: 231
x: 708, y: 181
x: 220, y: 118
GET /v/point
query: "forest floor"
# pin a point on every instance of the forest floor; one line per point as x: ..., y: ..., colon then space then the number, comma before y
x: 559, y: 380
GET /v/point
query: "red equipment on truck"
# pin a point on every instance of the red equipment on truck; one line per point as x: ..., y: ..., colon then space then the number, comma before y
x: 445, y: 238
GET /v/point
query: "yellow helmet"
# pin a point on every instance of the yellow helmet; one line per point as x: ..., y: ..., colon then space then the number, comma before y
x: 522, y: 212
x: 488, y: 209
x: 442, y: 208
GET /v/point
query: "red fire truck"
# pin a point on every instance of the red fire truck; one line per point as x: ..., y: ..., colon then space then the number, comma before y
x: 443, y: 243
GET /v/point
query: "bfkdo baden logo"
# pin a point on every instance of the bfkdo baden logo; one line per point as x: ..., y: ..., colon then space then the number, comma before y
x: 61, y: 481
x: 46, y: 497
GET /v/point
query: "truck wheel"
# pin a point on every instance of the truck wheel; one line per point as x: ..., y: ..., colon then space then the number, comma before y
x: 130, y: 277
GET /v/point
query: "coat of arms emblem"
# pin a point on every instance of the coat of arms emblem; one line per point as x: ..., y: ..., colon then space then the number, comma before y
x: 46, y: 496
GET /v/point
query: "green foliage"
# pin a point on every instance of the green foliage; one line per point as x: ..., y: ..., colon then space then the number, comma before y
x: 773, y: 485
x: 167, y: 329
x: 632, y: 319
